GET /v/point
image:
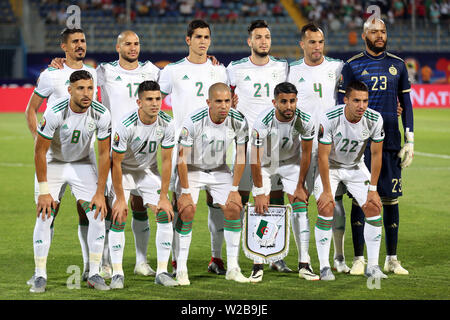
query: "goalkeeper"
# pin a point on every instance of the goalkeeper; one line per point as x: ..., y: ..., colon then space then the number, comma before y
x: 387, y: 78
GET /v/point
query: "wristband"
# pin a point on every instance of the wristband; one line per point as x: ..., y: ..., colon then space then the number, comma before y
x: 185, y: 191
x: 372, y: 188
x: 43, y: 188
x: 234, y: 188
x: 258, y: 191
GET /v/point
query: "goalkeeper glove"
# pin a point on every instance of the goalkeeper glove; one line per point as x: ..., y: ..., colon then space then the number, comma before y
x: 406, y: 154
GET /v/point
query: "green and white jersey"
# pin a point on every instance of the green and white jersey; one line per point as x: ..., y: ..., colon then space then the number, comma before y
x: 348, y: 139
x: 119, y: 86
x: 254, y: 84
x: 188, y: 84
x: 210, y: 142
x: 140, y: 141
x: 281, y: 140
x: 53, y: 83
x: 72, y: 133
x: 316, y: 86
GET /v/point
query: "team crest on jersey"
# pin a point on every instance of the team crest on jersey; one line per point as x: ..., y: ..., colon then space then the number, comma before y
x: 393, y: 70
x: 275, y: 75
x: 42, y: 123
x: 184, y: 133
x: 159, y: 133
x: 90, y: 125
x: 230, y: 133
x: 331, y: 75
x: 365, y: 134
x: 116, y: 139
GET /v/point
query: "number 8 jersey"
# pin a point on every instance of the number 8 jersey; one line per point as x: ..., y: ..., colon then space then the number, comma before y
x: 348, y: 139
x: 71, y: 132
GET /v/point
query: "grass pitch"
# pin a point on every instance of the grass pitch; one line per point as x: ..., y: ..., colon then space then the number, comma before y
x: 423, y: 240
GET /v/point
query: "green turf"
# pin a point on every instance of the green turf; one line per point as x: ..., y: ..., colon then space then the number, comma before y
x: 423, y: 244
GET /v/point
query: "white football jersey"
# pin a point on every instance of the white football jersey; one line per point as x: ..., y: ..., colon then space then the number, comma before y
x: 254, y: 84
x: 53, y: 83
x: 188, y: 84
x: 72, y: 133
x: 119, y: 86
x: 348, y: 139
x: 140, y: 141
x: 210, y: 142
x: 316, y: 86
x: 281, y: 140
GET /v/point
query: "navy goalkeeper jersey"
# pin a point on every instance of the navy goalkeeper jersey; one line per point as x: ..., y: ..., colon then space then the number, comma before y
x: 387, y: 79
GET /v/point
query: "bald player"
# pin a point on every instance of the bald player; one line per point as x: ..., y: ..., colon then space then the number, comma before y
x: 386, y: 76
x: 119, y: 81
x: 206, y: 135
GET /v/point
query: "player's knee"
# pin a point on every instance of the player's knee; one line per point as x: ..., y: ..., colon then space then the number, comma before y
x: 187, y: 214
x: 232, y: 212
x: 371, y: 210
x: 327, y: 211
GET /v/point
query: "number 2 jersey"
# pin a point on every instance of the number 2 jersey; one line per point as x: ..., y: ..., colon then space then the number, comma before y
x: 188, y: 84
x: 348, y: 139
x: 72, y: 133
x: 140, y: 141
x: 281, y: 140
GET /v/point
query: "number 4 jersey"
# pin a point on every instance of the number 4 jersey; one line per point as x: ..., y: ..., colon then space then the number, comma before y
x: 316, y: 85
x: 348, y: 139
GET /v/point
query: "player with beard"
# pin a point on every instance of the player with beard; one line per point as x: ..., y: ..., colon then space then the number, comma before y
x: 386, y: 76
x: 316, y: 77
x: 118, y: 81
x: 53, y: 84
x: 63, y: 156
x: 253, y: 80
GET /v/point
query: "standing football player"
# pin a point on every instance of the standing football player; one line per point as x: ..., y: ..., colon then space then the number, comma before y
x: 187, y: 81
x: 63, y: 157
x: 316, y: 78
x: 52, y: 85
x: 386, y: 76
x: 253, y: 80
x: 118, y: 81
